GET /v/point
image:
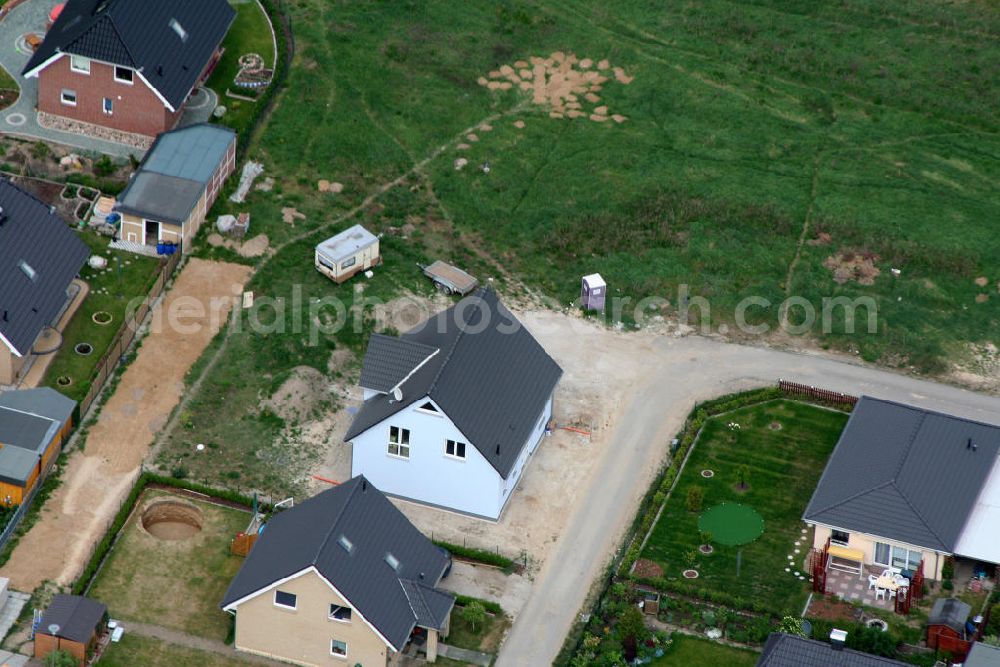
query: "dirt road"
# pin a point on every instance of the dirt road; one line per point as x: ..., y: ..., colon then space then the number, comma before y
x: 662, y: 377
x: 97, y: 478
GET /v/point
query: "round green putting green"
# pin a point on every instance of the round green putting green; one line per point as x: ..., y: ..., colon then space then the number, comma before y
x: 731, y: 524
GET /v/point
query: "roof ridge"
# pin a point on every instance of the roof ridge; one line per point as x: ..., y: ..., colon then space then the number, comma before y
x: 909, y: 445
x: 406, y: 594
x: 461, y: 332
x: 121, y: 39
x: 336, y: 521
x: 840, y: 502
x: 920, y: 516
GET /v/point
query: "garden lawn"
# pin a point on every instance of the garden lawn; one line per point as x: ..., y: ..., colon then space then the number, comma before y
x: 173, y: 583
x: 127, y: 277
x: 686, y: 651
x: 250, y: 33
x: 486, y: 637
x: 783, y: 466
x: 134, y: 650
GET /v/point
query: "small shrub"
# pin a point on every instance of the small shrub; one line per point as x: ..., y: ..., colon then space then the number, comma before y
x: 40, y: 150
x: 695, y: 497
x: 60, y: 658
x: 179, y: 472
x: 104, y: 167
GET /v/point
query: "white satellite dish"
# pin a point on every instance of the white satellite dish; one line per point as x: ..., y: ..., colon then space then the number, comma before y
x: 397, y: 394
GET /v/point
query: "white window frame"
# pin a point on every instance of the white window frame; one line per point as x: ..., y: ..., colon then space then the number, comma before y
x: 429, y: 411
x: 66, y: 102
x: 893, y: 548
x: 842, y: 543
x: 350, y: 613
x: 74, y: 64
x: 455, y: 444
x: 104, y: 106
x: 127, y: 82
x: 285, y: 606
x: 342, y: 656
x: 402, y: 442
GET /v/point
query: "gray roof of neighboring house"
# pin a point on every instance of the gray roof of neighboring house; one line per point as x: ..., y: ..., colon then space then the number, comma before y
x: 951, y: 612
x: 393, y: 601
x: 29, y: 420
x: 388, y: 360
x: 17, y: 465
x: 905, y: 474
x: 783, y: 650
x: 141, y: 35
x: 76, y: 616
x: 491, y: 378
x: 982, y: 655
x: 43, y: 401
x: 175, y: 172
x: 346, y: 244
x: 31, y: 235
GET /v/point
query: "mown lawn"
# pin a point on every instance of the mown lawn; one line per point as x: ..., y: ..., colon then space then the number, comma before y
x: 693, y: 651
x: 250, y: 33
x: 127, y: 277
x: 173, y: 583
x: 134, y: 650
x: 783, y: 467
x: 485, y: 637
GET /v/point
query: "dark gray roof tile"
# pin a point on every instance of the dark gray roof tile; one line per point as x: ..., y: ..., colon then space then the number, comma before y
x: 783, y: 650
x: 388, y: 360
x: 76, y: 616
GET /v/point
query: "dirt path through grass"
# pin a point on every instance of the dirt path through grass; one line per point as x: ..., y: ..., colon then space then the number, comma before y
x: 97, y: 478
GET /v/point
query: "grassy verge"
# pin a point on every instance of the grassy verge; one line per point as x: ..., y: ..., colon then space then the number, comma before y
x: 780, y: 448
x: 127, y: 277
x: 135, y: 650
x: 173, y: 583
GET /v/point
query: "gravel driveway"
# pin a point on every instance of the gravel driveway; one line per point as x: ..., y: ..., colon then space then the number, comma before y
x: 661, y: 377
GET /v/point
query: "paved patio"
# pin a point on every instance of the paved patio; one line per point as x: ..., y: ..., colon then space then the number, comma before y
x: 21, y: 119
x: 848, y: 587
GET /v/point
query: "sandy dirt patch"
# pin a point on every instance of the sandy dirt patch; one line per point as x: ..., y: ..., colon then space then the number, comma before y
x: 324, y: 185
x: 255, y: 247
x: 289, y: 215
x: 982, y: 281
x: 98, y: 478
x: 298, y: 396
x: 489, y: 583
x: 849, y: 265
x: 559, y: 82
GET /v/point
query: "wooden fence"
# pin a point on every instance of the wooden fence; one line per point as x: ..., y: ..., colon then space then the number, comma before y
x: 126, y: 334
x: 817, y: 393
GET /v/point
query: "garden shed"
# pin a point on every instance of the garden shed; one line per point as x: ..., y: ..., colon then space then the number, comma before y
x: 352, y: 250
x: 946, y: 625
x: 71, y: 623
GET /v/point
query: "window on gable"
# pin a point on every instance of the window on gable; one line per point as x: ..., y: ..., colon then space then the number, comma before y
x: 338, y: 647
x: 339, y: 613
x: 399, y: 442
x: 79, y: 64
x: 392, y: 561
x: 455, y: 449
x: 109, y: 106
x: 68, y: 97
x: 283, y: 599
x: 428, y: 407
x: 123, y: 74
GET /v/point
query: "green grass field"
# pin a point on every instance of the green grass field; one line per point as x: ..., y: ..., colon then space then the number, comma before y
x: 135, y: 650
x: 693, y: 651
x: 783, y: 467
x: 128, y: 276
x: 175, y: 584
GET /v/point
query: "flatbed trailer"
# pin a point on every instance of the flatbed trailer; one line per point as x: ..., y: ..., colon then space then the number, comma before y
x: 450, y: 279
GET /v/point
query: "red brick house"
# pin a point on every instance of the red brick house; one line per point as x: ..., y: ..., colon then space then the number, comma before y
x: 128, y: 65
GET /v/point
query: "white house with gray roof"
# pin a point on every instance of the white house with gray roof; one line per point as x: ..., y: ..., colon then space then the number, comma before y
x: 454, y: 408
x: 906, y: 485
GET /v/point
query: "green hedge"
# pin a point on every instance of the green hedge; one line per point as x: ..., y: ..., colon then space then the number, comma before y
x: 491, y: 607
x: 477, y: 555
x: 282, y: 27
x: 144, y: 480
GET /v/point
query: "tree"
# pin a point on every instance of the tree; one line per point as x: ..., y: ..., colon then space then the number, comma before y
x: 60, y: 658
x: 632, y: 630
x: 791, y: 625
x: 695, y: 496
x: 743, y: 476
x: 474, y: 614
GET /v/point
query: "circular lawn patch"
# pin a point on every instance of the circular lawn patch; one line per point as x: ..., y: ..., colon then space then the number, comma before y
x: 731, y: 524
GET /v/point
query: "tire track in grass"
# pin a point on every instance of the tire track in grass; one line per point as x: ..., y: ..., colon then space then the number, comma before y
x: 813, y: 189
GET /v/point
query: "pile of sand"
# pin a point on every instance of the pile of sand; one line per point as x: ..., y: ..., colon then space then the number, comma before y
x: 850, y: 265
x: 561, y: 82
x: 290, y: 214
x: 324, y: 185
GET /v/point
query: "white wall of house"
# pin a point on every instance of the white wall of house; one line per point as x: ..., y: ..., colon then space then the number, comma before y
x: 429, y: 475
x: 933, y: 560
x: 471, y: 485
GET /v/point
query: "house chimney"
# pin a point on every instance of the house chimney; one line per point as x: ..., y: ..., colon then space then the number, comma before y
x: 837, y: 639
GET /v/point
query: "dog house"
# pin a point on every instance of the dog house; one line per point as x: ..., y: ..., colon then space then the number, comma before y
x: 593, y: 291
x: 352, y: 250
